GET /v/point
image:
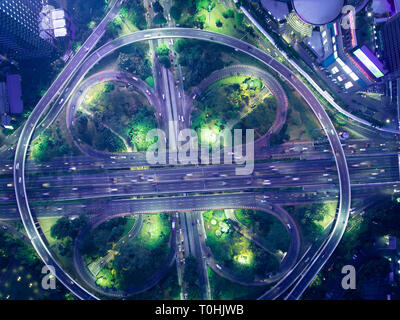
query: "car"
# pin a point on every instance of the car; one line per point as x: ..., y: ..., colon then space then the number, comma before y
x: 218, y: 266
x: 4, y: 227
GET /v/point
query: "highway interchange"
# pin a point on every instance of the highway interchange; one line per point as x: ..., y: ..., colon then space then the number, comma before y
x: 206, y: 178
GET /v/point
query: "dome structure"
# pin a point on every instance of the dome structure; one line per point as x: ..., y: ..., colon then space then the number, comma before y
x: 318, y: 12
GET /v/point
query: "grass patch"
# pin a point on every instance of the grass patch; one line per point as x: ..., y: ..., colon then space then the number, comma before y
x: 234, y: 251
x: 223, y: 289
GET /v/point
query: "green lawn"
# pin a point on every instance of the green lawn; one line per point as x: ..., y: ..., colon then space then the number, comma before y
x: 223, y: 289
x: 329, y: 213
x: 142, y: 256
x: 233, y: 102
x: 122, y: 115
x: 269, y: 229
x: 234, y: 251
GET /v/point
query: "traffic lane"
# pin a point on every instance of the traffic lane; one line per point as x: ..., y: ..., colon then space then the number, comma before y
x: 359, y: 175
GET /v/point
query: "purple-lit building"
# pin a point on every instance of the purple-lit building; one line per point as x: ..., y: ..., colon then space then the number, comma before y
x: 391, y: 43
x: 14, y: 93
x: 370, y: 62
x: 10, y: 98
x: 20, y: 35
x: 317, y: 12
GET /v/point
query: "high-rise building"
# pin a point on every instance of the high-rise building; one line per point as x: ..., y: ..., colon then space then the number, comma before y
x: 391, y: 43
x: 20, y: 33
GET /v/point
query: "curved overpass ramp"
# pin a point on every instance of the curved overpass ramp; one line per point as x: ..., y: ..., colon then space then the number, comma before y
x: 34, y: 233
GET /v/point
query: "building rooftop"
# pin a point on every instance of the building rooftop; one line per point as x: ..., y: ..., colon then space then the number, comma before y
x: 14, y: 93
x: 318, y: 12
x: 57, y: 14
x: 279, y: 10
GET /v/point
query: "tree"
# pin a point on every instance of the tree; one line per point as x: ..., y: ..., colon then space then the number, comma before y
x: 109, y: 86
x: 176, y: 12
x: 60, y: 229
x: 228, y: 14
x: 159, y: 19
x: 64, y: 228
x: 190, y: 274
x: 135, y: 12
x: 218, y: 23
x: 164, y: 60
x: 239, y: 18
x: 158, y: 7
x: 162, y: 50
x: 133, y: 59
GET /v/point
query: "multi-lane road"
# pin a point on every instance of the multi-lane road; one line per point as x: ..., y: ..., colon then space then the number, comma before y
x: 76, y: 70
x: 22, y: 148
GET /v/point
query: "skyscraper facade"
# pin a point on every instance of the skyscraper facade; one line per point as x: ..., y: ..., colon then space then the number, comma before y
x: 20, y: 34
x: 391, y: 43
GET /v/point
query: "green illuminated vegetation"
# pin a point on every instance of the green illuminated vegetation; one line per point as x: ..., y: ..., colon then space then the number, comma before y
x: 312, y: 219
x: 85, y: 14
x: 92, y: 132
x: 366, y: 239
x: 20, y: 270
x: 133, y: 12
x: 100, y: 240
x: 134, y: 59
x: 211, y: 15
x: 61, y: 248
x: 120, y: 26
x: 115, y: 118
x: 232, y: 250
x: 237, y: 102
x: 159, y: 18
x: 142, y: 256
x: 167, y: 289
x: 223, y: 289
x: 268, y: 229
x: 301, y: 124
x: 163, y: 55
x: 49, y: 144
x: 198, y: 59
x: 68, y: 228
x: 191, y: 277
